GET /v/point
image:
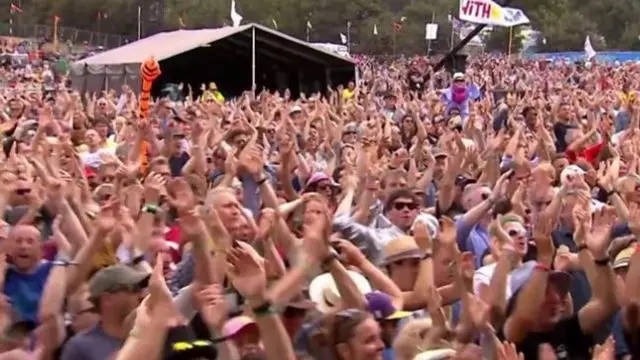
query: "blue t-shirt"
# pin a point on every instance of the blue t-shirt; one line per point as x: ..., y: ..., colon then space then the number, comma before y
x: 25, y: 290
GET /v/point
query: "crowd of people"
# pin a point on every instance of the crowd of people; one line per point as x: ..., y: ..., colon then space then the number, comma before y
x: 417, y: 214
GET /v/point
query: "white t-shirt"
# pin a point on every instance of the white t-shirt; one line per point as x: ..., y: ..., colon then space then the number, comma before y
x: 515, y: 279
x: 93, y: 159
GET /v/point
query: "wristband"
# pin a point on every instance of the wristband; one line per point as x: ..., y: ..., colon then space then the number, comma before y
x: 426, y: 256
x: 602, y: 262
x: 150, y: 209
x: 263, y: 310
x: 60, y: 257
x: 541, y: 266
x: 582, y: 246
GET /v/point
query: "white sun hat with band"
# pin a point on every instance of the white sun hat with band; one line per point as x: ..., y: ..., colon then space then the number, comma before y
x: 324, y: 292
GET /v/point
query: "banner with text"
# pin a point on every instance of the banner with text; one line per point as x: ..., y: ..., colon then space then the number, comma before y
x: 490, y: 13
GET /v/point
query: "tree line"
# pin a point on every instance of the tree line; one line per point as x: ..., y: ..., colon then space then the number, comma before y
x: 563, y: 23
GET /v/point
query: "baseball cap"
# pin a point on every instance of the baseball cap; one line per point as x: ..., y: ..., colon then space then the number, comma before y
x: 430, y: 221
x: 115, y: 277
x: 571, y: 170
x: 379, y: 304
x: 182, y: 344
x: 235, y: 324
x: 295, y: 109
x: 623, y: 258
x: 458, y: 76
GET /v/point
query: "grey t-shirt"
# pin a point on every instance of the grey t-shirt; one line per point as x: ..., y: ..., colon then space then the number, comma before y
x: 93, y: 344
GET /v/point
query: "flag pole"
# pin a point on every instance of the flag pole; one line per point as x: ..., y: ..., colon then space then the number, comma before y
x: 139, y: 22
x: 307, y: 26
x: 349, y: 36
x: 510, y: 40
x: 433, y: 20
x: 11, y: 22
x: 253, y: 57
x: 55, y: 32
x: 452, y: 34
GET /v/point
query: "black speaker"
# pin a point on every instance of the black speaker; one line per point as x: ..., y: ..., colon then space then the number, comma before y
x: 456, y: 63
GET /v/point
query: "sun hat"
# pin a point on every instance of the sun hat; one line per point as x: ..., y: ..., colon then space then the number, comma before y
x: 401, y: 248
x: 435, y: 354
x: 318, y: 177
x: 324, y: 291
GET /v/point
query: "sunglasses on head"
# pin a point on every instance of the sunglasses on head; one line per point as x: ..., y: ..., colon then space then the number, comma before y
x: 399, y: 205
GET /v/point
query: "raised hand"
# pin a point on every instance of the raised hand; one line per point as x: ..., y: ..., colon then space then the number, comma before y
x: 214, y: 306
x: 247, y: 272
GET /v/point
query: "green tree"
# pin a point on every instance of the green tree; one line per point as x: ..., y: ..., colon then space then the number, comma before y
x: 498, y: 40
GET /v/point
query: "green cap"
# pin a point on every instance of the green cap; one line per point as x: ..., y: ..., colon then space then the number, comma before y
x: 115, y: 277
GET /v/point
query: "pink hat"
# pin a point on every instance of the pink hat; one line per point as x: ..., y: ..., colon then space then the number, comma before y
x: 235, y: 324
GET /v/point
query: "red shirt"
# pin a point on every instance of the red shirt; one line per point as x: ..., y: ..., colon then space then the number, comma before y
x: 590, y: 154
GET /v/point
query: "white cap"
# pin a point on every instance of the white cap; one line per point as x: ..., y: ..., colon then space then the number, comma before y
x: 571, y: 170
x: 430, y: 221
x: 294, y: 109
x: 458, y: 76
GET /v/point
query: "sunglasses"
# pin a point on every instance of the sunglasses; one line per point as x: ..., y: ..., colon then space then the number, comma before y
x: 516, y: 233
x: 108, y: 178
x: 399, y: 205
x: 349, y: 133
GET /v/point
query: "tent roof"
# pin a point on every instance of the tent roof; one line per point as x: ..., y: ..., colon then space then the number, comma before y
x: 168, y: 44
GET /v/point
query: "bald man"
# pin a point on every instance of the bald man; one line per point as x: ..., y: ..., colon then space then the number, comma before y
x: 26, y: 272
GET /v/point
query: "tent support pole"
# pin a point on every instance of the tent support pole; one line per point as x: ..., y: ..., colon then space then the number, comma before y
x: 253, y: 57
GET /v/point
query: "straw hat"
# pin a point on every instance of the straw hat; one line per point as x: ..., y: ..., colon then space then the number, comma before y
x: 324, y: 292
x: 401, y: 248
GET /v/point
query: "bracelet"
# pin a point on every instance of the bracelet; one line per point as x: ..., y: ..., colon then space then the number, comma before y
x: 541, y: 266
x: 150, y: 208
x: 263, y: 310
x: 582, y: 246
x: 602, y: 262
x: 426, y: 256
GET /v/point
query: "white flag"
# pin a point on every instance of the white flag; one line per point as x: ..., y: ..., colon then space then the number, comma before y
x: 490, y: 13
x: 375, y: 29
x: 309, y: 25
x: 403, y: 19
x: 431, y: 31
x: 236, y: 18
x: 589, y: 52
x: 343, y: 38
x: 275, y: 24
